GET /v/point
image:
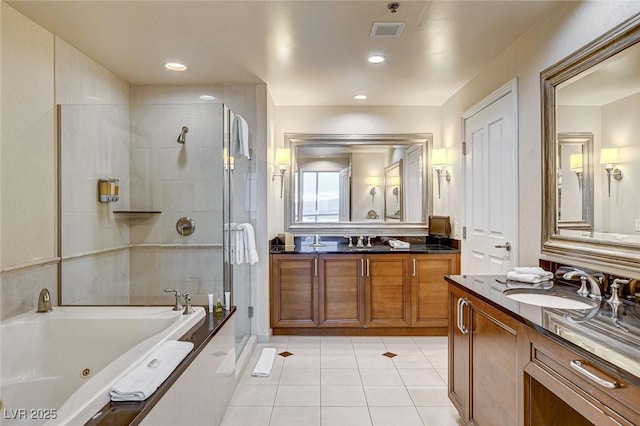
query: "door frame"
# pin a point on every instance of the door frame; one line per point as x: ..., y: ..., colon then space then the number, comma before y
x: 510, y: 87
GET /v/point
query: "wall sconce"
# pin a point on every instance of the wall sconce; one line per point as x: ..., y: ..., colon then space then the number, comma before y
x: 282, y: 162
x: 575, y: 164
x: 609, y: 157
x: 439, y: 162
x: 373, y: 182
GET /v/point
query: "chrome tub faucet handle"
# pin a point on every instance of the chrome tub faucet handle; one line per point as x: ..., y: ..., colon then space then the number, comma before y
x: 44, y: 301
x: 187, y: 301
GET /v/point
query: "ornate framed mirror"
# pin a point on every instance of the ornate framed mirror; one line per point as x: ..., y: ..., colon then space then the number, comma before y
x: 594, y: 91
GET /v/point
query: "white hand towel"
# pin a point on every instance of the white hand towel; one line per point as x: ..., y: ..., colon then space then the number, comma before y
x: 265, y: 363
x: 143, y: 380
x: 526, y: 278
x: 250, y: 252
x: 240, y: 138
x: 533, y: 270
x: 238, y: 237
x: 397, y: 244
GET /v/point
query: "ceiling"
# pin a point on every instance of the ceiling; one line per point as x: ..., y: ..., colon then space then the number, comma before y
x: 307, y: 52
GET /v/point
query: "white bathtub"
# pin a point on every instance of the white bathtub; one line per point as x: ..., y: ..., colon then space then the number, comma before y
x: 43, y: 358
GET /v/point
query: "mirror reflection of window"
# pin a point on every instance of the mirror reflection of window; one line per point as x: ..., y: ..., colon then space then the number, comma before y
x: 320, y: 196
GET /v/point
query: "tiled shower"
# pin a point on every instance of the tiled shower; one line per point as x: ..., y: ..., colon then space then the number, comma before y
x: 129, y: 251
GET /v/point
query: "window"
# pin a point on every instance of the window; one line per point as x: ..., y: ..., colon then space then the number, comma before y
x: 320, y: 196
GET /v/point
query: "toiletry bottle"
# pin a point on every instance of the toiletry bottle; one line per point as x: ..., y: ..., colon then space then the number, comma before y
x: 219, y: 307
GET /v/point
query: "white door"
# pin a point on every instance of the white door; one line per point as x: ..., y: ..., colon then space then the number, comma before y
x: 413, y: 187
x: 344, y: 191
x: 491, y: 184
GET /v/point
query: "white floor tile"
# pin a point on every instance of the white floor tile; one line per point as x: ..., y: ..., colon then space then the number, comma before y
x: 395, y: 416
x: 438, y: 361
x: 421, y: 377
x: 369, y: 348
x: 444, y: 374
x: 242, y: 416
x: 333, y: 348
x: 300, y: 376
x: 304, y: 348
x: 295, y: 416
x: 279, y: 339
x: 297, y: 396
x: 374, y: 361
x: 340, y: 376
x: 254, y: 395
x: 387, y: 396
x: 403, y: 349
x: 429, y: 396
x: 342, y: 396
x: 338, y: 361
x: 439, y: 416
x: 304, y: 339
x: 380, y: 377
x: 345, y: 416
x: 412, y: 361
x: 398, y: 340
x: 335, y: 339
x: 302, y: 361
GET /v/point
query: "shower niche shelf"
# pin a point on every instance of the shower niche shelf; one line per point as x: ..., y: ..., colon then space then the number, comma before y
x: 137, y: 212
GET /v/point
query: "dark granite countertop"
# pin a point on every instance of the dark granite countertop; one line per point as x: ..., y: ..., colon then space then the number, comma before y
x: 132, y: 413
x: 331, y: 247
x: 608, y: 335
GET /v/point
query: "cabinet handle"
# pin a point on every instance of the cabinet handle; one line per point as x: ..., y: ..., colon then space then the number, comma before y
x: 315, y: 267
x: 461, y: 326
x: 576, y: 364
x: 362, y: 267
x: 413, y: 272
x: 367, y: 267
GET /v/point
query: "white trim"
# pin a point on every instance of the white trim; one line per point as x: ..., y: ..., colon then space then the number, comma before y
x: 135, y: 246
x: 506, y: 89
x: 32, y: 264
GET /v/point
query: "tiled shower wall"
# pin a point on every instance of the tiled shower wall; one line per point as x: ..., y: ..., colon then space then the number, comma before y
x: 180, y: 180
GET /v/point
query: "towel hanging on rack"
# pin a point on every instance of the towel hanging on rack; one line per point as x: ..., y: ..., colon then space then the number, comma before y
x: 249, y: 243
x: 240, y: 138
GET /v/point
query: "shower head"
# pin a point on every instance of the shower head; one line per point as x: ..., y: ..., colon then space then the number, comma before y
x: 183, y: 134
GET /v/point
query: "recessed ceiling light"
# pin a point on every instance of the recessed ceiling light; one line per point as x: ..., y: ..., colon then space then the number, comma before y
x: 376, y: 59
x: 207, y: 97
x: 174, y: 66
x: 360, y: 97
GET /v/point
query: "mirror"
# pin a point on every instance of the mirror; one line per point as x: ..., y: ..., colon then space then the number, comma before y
x: 575, y: 181
x: 350, y: 183
x: 595, y: 91
x: 393, y: 192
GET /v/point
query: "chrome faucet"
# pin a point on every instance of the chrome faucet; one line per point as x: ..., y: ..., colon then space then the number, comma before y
x: 187, y: 301
x: 596, y: 284
x: 44, y: 302
x: 615, y: 296
x: 178, y: 305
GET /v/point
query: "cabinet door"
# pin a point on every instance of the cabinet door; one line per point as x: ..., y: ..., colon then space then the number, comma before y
x: 429, y: 292
x: 294, y: 290
x: 458, y: 365
x: 341, y: 290
x: 494, y: 368
x: 388, y: 294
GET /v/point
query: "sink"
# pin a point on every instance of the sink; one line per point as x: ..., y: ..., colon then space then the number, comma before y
x: 550, y: 298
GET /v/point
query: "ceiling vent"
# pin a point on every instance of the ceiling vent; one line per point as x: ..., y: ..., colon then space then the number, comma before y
x: 386, y: 29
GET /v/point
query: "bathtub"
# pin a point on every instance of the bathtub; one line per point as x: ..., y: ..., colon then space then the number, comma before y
x: 61, y: 364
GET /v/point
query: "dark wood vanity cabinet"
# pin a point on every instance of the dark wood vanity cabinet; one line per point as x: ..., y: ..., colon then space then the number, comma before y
x: 294, y: 290
x: 393, y: 293
x: 429, y: 289
x: 342, y: 291
x: 483, y: 368
x: 562, y: 387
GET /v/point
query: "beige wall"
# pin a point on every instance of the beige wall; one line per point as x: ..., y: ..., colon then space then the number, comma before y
x: 567, y: 29
x: 28, y: 153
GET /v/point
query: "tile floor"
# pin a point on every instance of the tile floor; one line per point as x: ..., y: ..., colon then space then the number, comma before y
x: 347, y: 381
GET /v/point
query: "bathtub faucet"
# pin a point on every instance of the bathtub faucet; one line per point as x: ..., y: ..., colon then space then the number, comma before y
x: 177, y: 306
x: 44, y: 301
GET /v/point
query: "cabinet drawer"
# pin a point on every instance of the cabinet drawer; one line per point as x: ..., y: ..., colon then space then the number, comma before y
x: 606, y: 391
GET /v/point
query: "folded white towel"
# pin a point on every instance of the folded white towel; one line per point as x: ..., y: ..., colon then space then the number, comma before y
x: 265, y: 363
x: 533, y: 270
x: 240, y: 138
x: 397, y: 244
x: 143, y: 380
x: 527, y: 278
x: 249, y: 243
x: 239, y: 248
